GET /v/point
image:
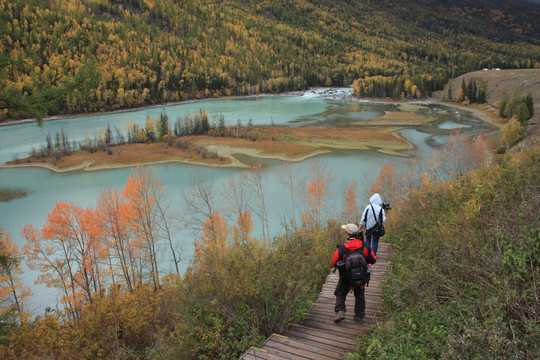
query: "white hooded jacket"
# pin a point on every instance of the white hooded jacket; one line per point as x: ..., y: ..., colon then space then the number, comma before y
x: 376, y: 202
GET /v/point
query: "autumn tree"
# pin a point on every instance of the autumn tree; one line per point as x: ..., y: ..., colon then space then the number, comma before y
x: 146, y: 196
x: 199, y: 204
x: 288, y: 178
x: 387, y: 183
x: 68, y: 253
x: 349, y: 210
x: 512, y: 132
x: 459, y: 155
x: 257, y: 203
x: 117, y: 221
x: 12, y: 292
x: 316, y: 193
x: 235, y: 193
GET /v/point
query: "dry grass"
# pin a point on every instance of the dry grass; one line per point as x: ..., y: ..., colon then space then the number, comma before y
x: 127, y: 154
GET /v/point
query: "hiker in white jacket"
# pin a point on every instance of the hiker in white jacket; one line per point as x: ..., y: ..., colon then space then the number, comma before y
x: 372, y: 213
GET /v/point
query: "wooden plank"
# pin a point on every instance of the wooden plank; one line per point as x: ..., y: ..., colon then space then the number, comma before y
x: 343, y: 329
x: 296, y: 348
x: 323, y: 336
x: 329, y: 313
x: 325, y: 315
x: 318, y: 352
x: 253, y: 354
x: 309, y: 338
x: 289, y: 354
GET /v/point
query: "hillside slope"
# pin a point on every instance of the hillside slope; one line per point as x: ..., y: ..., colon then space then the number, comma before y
x: 514, y: 83
x: 72, y: 56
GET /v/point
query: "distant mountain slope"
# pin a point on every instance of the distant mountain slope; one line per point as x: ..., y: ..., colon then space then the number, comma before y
x: 70, y: 56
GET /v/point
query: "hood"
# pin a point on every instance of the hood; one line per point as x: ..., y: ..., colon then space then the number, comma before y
x: 375, y: 199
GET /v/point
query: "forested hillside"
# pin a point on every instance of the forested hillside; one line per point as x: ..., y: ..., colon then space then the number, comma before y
x: 72, y: 56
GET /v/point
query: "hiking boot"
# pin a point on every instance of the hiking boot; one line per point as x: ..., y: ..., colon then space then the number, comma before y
x: 340, y: 315
x: 359, y: 320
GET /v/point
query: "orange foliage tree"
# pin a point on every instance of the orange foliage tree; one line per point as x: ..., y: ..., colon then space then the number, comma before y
x: 12, y: 292
x: 244, y: 228
x: 387, y: 184
x: 146, y: 196
x: 116, y: 219
x: 257, y: 200
x: 316, y: 194
x: 235, y: 193
x: 349, y: 212
x: 68, y: 253
x: 288, y: 177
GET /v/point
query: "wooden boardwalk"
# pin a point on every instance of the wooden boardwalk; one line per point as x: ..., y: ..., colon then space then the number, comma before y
x: 318, y: 336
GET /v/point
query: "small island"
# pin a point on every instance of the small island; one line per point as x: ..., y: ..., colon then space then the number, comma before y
x: 229, y: 146
x: 284, y: 143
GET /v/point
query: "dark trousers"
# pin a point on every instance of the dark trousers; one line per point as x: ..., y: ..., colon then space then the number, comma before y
x: 342, y: 289
x: 373, y: 241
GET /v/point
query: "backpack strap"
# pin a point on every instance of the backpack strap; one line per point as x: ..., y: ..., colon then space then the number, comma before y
x: 362, y: 250
x: 342, y: 250
x: 365, y: 218
x: 374, y: 215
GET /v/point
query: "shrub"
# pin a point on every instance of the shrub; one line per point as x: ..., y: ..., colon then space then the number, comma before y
x: 268, y: 285
x: 182, y: 144
x: 465, y: 269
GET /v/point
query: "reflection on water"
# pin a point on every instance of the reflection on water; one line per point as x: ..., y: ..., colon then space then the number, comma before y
x: 45, y: 187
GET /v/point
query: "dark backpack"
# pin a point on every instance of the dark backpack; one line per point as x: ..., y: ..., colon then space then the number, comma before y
x: 356, y: 269
x: 379, y: 227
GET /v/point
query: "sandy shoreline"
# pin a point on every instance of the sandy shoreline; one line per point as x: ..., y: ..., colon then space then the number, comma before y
x: 225, y: 150
x: 57, y: 117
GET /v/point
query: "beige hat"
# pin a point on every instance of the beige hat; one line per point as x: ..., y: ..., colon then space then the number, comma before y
x: 350, y: 229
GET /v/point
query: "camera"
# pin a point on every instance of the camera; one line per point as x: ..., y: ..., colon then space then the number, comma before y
x: 386, y: 206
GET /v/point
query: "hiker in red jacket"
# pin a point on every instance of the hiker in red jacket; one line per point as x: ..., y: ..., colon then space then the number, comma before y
x: 354, y: 242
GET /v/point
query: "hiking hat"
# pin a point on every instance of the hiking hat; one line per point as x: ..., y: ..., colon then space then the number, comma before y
x: 350, y: 228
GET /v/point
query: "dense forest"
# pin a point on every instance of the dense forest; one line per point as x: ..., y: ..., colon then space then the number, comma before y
x: 73, y: 56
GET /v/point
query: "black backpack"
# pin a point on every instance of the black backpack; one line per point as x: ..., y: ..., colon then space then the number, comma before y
x: 379, y: 227
x: 355, y: 269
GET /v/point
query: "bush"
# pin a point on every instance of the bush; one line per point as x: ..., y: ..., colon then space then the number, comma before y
x: 465, y: 278
x: 182, y: 144
x: 248, y: 289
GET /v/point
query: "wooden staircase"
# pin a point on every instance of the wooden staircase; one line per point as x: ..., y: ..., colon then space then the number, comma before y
x: 318, y: 336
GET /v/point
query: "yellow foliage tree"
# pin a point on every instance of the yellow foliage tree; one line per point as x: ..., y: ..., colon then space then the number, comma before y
x: 512, y: 132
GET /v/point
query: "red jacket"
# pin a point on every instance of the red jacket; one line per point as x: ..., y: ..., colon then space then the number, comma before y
x: 353, y: 244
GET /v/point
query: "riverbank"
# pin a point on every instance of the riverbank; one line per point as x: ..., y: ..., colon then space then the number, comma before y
x: 272, y: 142
x: 280, y: 143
